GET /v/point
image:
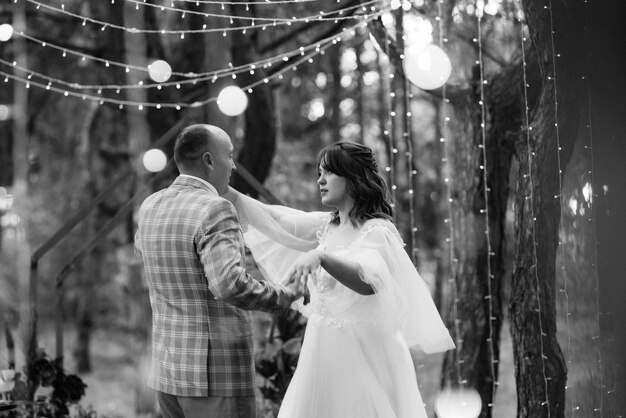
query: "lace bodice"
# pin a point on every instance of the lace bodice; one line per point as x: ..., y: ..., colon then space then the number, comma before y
x: 331, y: 301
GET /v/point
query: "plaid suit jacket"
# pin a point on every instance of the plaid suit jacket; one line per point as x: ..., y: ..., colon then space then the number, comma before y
x: 193, y: 253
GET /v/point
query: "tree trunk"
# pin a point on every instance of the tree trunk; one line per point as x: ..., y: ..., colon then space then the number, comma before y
x: 383, y: 114
x: 89, y: 272
x: 540, y: 368
x: 360, y: 87
x: 212, y: 53
x: 136, y: 52
x: 259, y: 146
x: 476, y: 313
x: 21, y: 139
x: 334, y: 62
x: 431, y: 213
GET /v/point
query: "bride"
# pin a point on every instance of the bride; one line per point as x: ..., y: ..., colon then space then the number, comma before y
x: 368, y: 304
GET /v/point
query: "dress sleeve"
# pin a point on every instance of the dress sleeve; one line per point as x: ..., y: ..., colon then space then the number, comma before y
x: 276, y: 235
x: 385, y: 265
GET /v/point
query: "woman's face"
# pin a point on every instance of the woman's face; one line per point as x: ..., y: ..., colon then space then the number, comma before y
x: 333, y: 189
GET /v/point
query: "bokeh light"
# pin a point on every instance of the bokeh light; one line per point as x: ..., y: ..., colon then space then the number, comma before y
x: 427, y: 67
x: 160, y: 71
x: 232, y: 101
x: 458, y: 403
x: 5, y: 112
x: 154, y: 160
x: 6, y: 31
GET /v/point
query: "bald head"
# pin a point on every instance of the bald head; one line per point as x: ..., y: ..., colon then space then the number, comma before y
x: 205, y: 151
x: 195, y: 140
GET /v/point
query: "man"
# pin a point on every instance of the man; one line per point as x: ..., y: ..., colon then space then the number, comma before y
x: 193, y: 253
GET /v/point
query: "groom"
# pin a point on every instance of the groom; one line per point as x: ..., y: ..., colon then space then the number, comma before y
x: 192, y: 250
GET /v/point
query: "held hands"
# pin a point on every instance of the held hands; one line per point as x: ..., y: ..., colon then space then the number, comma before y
x: 304, y: 267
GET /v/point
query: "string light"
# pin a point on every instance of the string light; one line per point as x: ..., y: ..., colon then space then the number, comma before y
x: 274, y: 21
x: 267, y: 19
x: 450, y: 220
x: 258, y: 3
x: 408, y: 148
x: 307, y: 57
x: 411, y: 172
x: 486, y: 189
x: 558, y: 195
x: 306, y: 53
x: 531, y: 198
x: 213, y: 75
x: 197, y: 76
x: 592, y: 205
x: 388, y: 131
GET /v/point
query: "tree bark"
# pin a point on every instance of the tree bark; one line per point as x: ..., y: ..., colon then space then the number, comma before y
x: 214, y: 52
x: 89, y: 273
x: 477, y: 314
x: 478, y: 226
x: 334, y: 99
x: 359, y: 93
x: 21, y: 139
x: 259, y: 146
x: 139, y: 130
x: 540, y: 368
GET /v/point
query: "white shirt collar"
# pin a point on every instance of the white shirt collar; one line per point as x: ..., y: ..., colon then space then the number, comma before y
x: 206, y: 183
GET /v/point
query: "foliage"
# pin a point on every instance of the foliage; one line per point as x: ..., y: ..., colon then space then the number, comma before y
x: 64, y: 391
x: 276, y: 360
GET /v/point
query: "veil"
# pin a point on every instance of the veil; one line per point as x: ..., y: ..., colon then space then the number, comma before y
x: 277, y: 235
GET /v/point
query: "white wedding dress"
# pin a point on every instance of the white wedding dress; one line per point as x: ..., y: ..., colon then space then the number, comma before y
x: 355, y: 359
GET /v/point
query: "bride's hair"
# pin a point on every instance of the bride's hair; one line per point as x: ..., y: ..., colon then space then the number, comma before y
x: 356, y: 163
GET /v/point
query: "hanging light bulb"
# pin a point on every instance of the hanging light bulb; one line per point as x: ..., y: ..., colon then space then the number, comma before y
x: 458, y: 403
x: 154, y: 160
x: 160, y: 71
x: 5, y: 112
x: 6, y: 31
x: 427, y: 67
x: 232, y: 101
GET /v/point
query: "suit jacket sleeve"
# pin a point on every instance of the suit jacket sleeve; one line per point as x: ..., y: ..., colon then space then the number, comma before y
x: 219, y: 243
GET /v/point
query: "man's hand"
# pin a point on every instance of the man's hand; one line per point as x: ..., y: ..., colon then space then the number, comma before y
x: 299, y: 290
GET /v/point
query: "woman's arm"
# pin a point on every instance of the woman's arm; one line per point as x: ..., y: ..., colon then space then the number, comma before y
x: 235, y: 197
x: 231, y: 195
x: 344, y: 271
x: 289, y: 227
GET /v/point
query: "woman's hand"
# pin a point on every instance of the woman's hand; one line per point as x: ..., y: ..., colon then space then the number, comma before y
x: 304, y: 267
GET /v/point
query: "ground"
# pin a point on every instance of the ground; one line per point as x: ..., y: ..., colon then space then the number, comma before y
x: 111, y: 386
x: 113, y: 383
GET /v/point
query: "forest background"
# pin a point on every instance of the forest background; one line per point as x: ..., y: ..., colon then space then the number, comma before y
x: 509, y: 181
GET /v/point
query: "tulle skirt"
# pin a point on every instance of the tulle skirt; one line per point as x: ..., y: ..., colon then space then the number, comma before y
x: 352, y: 371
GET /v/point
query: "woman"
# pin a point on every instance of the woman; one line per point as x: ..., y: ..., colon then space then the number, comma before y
x: 368, y: 303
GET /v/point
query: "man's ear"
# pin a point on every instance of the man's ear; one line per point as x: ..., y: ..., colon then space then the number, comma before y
x: 207, y: 158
